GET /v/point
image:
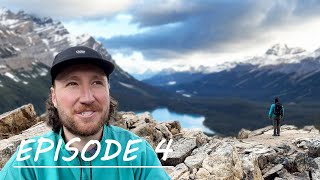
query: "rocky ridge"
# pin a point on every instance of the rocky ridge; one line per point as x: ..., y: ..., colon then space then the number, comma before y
x: 28, y: 45
x: 26, y: 39
x: 252, y: 155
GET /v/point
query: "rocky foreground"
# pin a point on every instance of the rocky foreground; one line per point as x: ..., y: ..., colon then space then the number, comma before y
x: 252, y: 155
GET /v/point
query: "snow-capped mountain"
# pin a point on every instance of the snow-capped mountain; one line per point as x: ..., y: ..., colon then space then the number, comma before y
x: 276, y: 55
x: 291, y: 73
x: 28, y: 45
x: 283, y: 49
x: 280, y: 54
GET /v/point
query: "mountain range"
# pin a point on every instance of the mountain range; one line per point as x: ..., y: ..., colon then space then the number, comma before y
x: 28, y: 45
x: 292, y: 74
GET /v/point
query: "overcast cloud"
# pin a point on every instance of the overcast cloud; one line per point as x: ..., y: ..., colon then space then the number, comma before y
x: 175, y: 30
x: 213, y: 26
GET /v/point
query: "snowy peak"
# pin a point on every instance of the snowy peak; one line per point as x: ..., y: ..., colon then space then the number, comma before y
x: 8, y: 15
x: 283, y: 49
x: 25, y: 38
x: 4, y: 11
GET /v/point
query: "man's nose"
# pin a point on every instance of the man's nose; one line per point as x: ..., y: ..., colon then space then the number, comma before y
x: 86, y: 96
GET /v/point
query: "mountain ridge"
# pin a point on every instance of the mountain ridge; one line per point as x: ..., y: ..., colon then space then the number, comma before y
x: 28, y: 42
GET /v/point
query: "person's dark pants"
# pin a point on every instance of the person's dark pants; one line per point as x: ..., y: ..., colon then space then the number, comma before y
x: 276, y: 125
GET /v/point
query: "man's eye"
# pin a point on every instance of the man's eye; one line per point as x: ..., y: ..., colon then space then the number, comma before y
x: 71, y: 84
x: 98, y: 83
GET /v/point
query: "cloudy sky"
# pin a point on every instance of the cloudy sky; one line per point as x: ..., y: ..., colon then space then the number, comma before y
x: 149, y: 35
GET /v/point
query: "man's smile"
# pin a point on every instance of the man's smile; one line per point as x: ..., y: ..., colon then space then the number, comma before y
x: 86, y: 114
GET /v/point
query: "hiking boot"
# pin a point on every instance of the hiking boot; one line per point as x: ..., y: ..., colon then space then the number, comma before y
x: 274, y: 135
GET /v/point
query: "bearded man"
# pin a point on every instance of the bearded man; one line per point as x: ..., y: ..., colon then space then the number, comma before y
x: 78, y: 110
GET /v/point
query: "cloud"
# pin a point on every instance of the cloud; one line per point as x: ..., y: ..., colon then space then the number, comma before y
x: 103, y: 27
x: 176, y: 29
x: 70, y: 8
x: 180, y: 27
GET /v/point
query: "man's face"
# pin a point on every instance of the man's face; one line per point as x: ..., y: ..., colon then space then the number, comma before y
x: 81, y: 96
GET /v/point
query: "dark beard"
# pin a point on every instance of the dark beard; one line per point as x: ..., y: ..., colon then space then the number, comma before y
x: 72, y: 127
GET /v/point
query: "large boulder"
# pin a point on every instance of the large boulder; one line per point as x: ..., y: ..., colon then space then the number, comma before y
x: 243, y: 134
x: 305, y: 163
x: 178, y: 171
x: 272, y: 173
x: 182, y: 148
x: 9, y: 146
x: 250, y: 167
x: 312, y: 144
x: 143, y: 125
x: 316, y: 172
x: 173, y: 126
x: 15, y: 121
x: 224, y: 163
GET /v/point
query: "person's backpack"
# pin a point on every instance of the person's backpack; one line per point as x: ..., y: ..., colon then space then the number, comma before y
x: 278, y: 109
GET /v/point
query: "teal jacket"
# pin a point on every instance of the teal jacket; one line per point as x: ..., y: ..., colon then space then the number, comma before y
x: 271, y: 115
x: 85, y: 169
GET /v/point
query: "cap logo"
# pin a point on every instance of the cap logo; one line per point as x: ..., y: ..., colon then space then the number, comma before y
x: 80, y: 51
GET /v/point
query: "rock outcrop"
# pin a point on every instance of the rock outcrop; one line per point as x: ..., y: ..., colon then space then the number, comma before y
x: 15, y: 121
x: 254, y: 155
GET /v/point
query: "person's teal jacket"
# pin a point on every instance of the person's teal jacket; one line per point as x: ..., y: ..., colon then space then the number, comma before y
x: 271, y: 114
x: 85, y: 169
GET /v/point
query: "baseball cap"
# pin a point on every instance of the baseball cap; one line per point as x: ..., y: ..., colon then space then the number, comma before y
x: 80, y: 55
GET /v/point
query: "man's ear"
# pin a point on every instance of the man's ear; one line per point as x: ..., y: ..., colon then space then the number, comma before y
x: 53, y: 97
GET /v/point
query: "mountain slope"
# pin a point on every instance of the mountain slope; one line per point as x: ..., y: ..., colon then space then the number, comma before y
x: 290, y: 73
x: 27, y: 48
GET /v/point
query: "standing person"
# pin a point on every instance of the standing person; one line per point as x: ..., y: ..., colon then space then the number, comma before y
x: 276, y: 113
x: 78, y: 110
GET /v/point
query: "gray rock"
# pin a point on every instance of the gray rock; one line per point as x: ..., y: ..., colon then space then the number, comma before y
x: 300, y: 175
x: 202, y: 174
x: 178, y: 171
x: 182, y: 148
x: 208, y: 147
x: 196, y: 160
x: 174, y: 127
x: 271, y: 174
x: 317, y: 160
x: 314, y: 148
x: 224, y: 163
x: 283, y: 174
x: 282, y: 149
x: 315, y: 174
x: 308, y: 128
x: 312, y: 144
x: 201, y: 138
x: 289, y: 164
x: 9, y: 146
x: 289, y: 127
x: 260, y: 131
x: 243, y: 134
x: 264, y: 154
x: 144, y: 126
x: 193, y: 174
x: 251, y: 167
x: 185, y: 176
x: 304, y: 163
x: 164, y: 130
